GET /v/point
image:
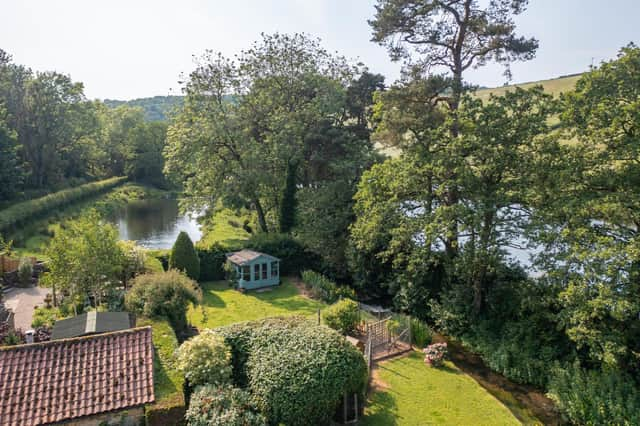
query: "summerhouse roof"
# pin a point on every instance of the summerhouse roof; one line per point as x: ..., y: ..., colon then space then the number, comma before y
x: 91, y: 323
x: 60, y: 380
x: 245, y: 256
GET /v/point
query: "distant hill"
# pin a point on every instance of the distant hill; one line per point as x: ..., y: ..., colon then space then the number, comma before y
x: 157, y: 108
x: 553, y: 86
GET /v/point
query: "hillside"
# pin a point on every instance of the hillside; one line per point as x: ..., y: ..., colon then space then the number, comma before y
x: 553, y: 86
x: 157, y: 108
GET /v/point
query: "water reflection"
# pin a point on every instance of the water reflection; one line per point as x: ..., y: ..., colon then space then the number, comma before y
x: 155, y: 223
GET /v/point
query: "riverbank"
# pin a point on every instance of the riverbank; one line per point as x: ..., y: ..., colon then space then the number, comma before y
x: 31, y: 238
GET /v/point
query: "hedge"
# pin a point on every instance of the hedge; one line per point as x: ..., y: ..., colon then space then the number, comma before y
x: 212, y: 260
x: 169, y: 408
x: 324, y: 289
x: 26, y: 210
x: 296, y: 371
x: 294, y: 257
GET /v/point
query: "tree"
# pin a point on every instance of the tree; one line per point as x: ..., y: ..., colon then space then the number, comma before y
x: 85, y: 259
x: 453, y: 35
x: 165, y: 294
x: 592, y: 238
x: 11, y: 173
x: 184, y: 257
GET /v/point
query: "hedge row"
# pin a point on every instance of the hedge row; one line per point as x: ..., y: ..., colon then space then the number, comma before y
x: 169, y: 408
x: 296, y: 371
x: 26, y: 210
x: 324, y: 289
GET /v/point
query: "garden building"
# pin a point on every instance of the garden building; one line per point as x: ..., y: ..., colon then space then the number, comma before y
x: 254, y: 269
x: 91, y: 323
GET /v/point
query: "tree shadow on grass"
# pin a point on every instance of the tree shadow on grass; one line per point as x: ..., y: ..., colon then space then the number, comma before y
x: 382, y: 410
x: 162, y: 383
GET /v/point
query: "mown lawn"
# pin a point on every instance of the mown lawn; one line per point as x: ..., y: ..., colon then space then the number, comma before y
x: 225, y: 227
x: 222, y: 305
x: 414, y: 394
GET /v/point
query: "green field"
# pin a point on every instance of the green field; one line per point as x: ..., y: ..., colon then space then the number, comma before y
x: 410, y: 393
x: 553, y: 86
x: 222, y: 305
x: 225, y: 227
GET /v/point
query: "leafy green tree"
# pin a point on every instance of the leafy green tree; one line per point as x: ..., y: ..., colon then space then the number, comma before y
x: 11, y: 173
x: 184, y: 257
x: 592, y: 246
x: 85, y: 259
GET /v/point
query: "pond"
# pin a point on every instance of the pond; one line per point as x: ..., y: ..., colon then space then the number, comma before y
x: 155, y: 223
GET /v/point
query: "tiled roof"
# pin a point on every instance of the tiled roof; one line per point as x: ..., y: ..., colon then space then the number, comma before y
x: 61, y: 380
x: 245, y: 256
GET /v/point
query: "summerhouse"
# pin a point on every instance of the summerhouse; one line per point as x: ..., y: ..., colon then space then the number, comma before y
x: 255, y: 269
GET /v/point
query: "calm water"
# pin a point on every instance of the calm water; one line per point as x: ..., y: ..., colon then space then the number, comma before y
x: 155, y: 223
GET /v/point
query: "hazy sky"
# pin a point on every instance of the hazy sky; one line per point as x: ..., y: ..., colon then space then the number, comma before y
x: 124, y: 49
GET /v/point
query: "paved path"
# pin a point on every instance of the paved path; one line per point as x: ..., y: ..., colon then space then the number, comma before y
x: 22, y: 302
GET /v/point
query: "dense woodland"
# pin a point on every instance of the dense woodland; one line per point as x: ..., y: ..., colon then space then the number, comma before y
x: 296, y: 136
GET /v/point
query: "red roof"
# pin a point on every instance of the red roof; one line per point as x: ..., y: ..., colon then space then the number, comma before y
x: 64, y: 379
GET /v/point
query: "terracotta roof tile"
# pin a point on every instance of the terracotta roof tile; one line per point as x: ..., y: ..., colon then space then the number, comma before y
x: 65, y: 379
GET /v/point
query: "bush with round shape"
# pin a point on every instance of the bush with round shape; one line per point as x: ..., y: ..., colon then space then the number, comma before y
x: 296, y: 371
x: 163, y: 294
x: 184, y: 257
x: 222, y: 406
x: 25, y: 271
x: 434, y: 354
x: 205, y: 359
x: 342, y: 316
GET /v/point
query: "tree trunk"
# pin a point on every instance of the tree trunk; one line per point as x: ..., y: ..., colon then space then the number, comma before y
x: 261, y: 218
x: 481, y: 262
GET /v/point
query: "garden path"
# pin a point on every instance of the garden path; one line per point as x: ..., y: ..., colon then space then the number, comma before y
x: 23, y: 301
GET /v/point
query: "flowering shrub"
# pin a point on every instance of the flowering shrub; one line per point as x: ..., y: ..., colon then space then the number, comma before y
x: 222, y: 405
x: 434, y: 354
x: 205, y: 359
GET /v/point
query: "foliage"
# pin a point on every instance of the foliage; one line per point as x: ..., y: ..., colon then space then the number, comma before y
x: 169, y: 406
x: 165, y: 294
x: 157, y: 108
x: 21, y: 212
x: 222, y: 406
x: 295, y: 371
x: 323, y: 288
x: 453, y: 397
x: 205, y: 359
x: 85, y: 259
x: 292, y: 254
x: 45, y: 317
x: 11, y: 174
x: 434, y: 354
x: 421, y: 334
x: 342, y: 316
x: 25, y: 271
x: 184, y: 257
x: 134, y: 262
x: 212, y: 262
x: 595, y: 397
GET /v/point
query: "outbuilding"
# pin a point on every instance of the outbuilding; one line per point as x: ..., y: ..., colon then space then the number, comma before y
x: 254, y: 269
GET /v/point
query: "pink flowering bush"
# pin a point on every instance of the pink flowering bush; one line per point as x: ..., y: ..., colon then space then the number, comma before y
x: 434, y: 354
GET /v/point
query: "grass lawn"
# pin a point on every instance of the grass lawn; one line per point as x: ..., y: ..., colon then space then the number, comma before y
x: 222, y: 305
x: 414, y: 394
x: 225, y: 227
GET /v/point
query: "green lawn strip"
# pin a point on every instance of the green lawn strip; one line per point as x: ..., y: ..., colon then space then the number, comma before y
x: 168, y: 382
x: 223, y: 305
x: 414, y: 394
x: 225, y: 227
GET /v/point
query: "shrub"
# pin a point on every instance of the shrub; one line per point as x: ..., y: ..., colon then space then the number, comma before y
x: 434, y: 354
x: 595, y: 397
x: 222, y: 406
x: 44, y: 317
x: 324, y: 289
x: 293, y: 255
x: 205, y: 359
x: 25, y: 271
x: 342, y: 316
x: 184, y: 258
x: 421, y: 334
x: 212, y: 261
x: 27, y: 210
x: 164, y: 294
x: 295, y: 370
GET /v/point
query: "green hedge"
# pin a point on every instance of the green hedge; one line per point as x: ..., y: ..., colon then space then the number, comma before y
x: 21, y: 212
x: 212, y: 260
x: 324, y: 289
x: 169, y: 408
x: 296, y: 371
x: 293, y: 255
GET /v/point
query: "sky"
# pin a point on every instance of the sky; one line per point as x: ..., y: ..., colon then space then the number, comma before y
x: 127, y: 49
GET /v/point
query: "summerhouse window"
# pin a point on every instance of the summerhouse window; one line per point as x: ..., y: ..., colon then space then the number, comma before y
x: 274, y: 269
x: 264, y: 271
x: 246, y: 273
x: 256, y: 271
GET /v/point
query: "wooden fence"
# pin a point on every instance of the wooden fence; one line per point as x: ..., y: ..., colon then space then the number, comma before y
x: 9, y: 264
